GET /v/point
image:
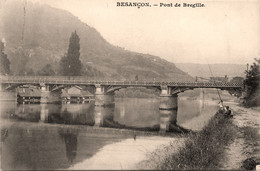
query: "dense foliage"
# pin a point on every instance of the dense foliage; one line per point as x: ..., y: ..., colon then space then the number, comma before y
x: 4, y: 61
x: 46, y: 71
x: 70, y: 64
x: 252, y: 84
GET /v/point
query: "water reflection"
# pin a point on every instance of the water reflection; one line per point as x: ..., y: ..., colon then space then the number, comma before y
x: 29, y: 147
x: 137, y: 112
x: 33, y: 144
x: 80, y: 114
x: 104, y: 115
x: 4, y: 134
x: 70, y: 138
x: 44, y: 113
x: 141, y: 114
x: 28, y: 112
x: 167, y: 118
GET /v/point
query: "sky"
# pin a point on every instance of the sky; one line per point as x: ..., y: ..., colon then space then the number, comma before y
x: 220, y: 32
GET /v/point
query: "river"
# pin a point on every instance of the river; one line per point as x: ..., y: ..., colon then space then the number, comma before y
x: 75, y: 136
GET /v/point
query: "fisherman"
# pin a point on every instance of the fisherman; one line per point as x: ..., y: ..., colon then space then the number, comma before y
x: 224, y: 110
x: 228, y: 112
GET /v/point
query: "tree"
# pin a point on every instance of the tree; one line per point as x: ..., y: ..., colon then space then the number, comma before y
x: 236, y: 92
x: 64, y: 65
x: 70, y: 64
x: 4, y: 61
x: 30, y: 72
x: 46, y: 71
x: 136, y: 77
x: 21, y: 58
x: 252, y: 75
x: 252, y: 84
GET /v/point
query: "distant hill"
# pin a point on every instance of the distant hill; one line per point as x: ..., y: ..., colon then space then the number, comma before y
x: 202, y: 70
x: 45, y: 40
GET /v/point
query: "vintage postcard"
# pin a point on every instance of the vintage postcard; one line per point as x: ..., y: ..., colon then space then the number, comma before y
x: 129, y: 85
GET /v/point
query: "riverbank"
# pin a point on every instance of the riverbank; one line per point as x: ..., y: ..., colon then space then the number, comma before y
x: 222, y: 144
x: 246, y: 144
x: 201, y: 150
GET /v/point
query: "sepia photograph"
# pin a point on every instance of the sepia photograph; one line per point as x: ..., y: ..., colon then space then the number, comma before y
x: 130, y: 85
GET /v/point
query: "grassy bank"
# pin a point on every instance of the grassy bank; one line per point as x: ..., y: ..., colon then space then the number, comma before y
x: 205, y: 149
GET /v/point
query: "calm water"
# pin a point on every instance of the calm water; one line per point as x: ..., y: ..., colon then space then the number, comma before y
x: 57, y: 136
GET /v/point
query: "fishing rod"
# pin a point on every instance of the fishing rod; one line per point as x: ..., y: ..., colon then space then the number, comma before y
x: 24, y: 17
x: 215, y: 84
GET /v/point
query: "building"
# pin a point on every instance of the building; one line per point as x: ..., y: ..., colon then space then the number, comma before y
x: 219, y: 79
x: 76, y: 94
x: 28, y: 94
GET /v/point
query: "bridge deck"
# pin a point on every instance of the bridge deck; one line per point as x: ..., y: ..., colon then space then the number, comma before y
x: 85, y: 81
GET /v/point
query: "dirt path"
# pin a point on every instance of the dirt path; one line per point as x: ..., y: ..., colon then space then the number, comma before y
x: 247, y: 141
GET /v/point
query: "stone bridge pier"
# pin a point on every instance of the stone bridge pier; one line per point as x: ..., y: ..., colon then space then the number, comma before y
x: 44, y: 113
x: 103, y: 114
x: 168, y: 107
x: 103, y: 96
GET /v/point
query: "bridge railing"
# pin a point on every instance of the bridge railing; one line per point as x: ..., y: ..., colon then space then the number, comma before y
x: 59, y: 78
x: 86, y: 81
